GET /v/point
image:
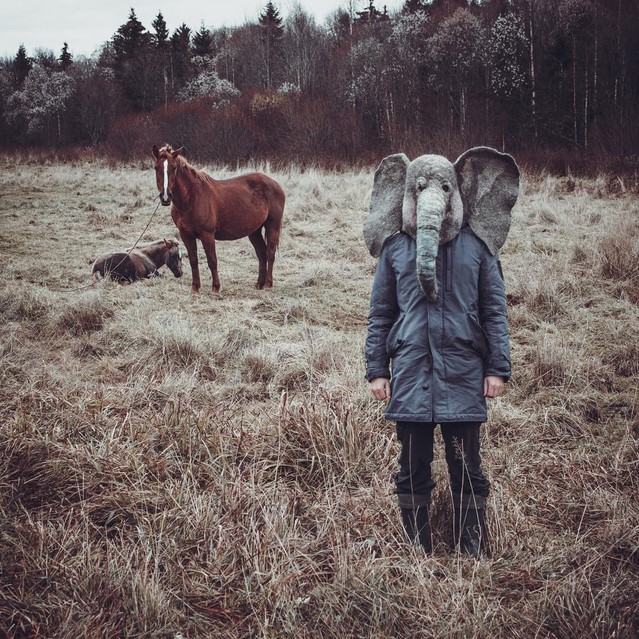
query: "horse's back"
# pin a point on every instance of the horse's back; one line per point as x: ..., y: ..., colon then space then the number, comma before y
x: 255, y: 188
x: 122, y: 266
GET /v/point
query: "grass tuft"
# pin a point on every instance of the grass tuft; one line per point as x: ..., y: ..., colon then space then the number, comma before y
x: 87, y: 315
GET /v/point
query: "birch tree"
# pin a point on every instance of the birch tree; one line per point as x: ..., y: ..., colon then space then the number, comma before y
x: 576, y: 20
x: 303, y: 49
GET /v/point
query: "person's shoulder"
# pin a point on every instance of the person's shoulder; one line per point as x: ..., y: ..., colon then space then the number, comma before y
x: 471, y: 239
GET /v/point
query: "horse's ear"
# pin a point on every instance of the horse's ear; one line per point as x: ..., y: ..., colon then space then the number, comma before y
x: 178, y: 152
x: 156, y: 152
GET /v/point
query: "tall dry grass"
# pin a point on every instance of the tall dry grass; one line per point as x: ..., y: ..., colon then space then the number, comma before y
x: 196, y: 467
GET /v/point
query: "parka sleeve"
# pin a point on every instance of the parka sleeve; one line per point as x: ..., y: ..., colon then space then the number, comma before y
x: 381, y: 317
x: 492, y: 314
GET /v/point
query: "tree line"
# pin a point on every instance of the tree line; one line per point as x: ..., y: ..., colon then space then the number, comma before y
x: 438, y: 75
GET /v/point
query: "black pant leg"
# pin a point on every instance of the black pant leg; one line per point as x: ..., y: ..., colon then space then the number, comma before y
x: 414, y: 482
x: 464, y: 461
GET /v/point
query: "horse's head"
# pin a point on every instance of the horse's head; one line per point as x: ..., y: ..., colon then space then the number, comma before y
x: 166, y: 166
x: 174, y: 257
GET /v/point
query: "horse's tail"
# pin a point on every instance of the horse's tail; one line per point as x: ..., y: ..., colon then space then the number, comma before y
x: 276, y: 214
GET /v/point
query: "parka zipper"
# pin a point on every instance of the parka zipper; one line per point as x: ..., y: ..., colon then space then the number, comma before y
x: 448, y: 270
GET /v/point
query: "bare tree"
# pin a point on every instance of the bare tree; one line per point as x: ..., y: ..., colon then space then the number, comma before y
x: 456, y: 52
x: 303, y: 46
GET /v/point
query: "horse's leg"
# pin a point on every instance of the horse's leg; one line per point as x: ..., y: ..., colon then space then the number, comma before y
x: 272, y: 229
x: 208, y: 242
x: 260, y: 250
x: 191, y: 249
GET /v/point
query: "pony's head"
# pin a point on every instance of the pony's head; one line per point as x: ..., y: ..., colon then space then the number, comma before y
x: 165, y: 169
x: 174, y: 257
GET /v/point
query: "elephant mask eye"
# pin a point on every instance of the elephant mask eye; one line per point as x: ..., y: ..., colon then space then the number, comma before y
x: 446, y: 187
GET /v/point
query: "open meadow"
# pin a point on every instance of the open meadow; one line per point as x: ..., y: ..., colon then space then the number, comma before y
x: 189, y: 467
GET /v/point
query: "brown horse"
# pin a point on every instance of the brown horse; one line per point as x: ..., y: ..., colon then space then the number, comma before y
x: 138, y: 263
x: 209, y: 210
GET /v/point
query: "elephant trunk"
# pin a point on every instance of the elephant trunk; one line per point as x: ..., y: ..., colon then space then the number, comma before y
x: 431, y: 206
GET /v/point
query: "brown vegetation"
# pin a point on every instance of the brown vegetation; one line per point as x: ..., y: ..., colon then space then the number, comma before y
x: 196, y: 467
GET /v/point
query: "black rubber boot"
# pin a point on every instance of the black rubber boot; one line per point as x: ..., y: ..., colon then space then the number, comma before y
x: 417, y: 526
x: 469, y: 524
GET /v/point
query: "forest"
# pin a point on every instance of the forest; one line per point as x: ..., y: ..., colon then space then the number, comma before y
x: 557, y: 83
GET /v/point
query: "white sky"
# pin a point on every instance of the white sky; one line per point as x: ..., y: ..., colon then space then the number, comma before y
x: 87, y: 24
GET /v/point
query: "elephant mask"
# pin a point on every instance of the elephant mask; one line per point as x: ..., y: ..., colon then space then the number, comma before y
x: 430, y: 199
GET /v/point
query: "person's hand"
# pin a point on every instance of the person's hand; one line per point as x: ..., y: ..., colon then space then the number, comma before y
x: 493, y: 386
x: 381, y: 388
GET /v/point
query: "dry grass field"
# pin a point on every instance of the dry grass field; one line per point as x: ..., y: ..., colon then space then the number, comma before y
x: 190, y: 467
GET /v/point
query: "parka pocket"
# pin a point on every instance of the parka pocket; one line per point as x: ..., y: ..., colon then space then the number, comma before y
x: 393, y: 343
x: 477, y: 335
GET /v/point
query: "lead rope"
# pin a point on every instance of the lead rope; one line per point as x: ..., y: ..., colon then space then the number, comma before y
x: 79, y: 288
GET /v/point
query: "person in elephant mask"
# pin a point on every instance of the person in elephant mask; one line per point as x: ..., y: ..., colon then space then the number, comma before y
x: 437, y: 343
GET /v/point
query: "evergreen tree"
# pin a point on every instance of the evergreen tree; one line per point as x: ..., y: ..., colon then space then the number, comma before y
x: 134, y: 64
x: 181, y: 67
x: 161, y: 35
x: 130, y: 38
x: 414, y: 6
x: 371, y: 14
x: 45, y: 58
x: 271, y: 34
x: 21, y: 66
x: 160, y: 40
x: 271, y: 23
x: 65, y: 58
x: 202, y: 44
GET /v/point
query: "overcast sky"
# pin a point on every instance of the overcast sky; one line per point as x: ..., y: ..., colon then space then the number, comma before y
x: 87, y: 24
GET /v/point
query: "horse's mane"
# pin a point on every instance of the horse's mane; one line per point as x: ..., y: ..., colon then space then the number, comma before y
x: 145, y: 246
x: 183, y: 163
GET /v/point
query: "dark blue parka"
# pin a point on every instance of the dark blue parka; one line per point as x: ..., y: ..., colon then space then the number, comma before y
x: 440, y: 351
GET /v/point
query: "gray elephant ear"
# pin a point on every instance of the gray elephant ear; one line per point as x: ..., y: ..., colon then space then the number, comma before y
x: 489, y: 185
x: 385, y: 217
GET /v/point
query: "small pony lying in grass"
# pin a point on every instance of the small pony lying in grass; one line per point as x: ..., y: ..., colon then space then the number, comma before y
x: 139, y: 262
